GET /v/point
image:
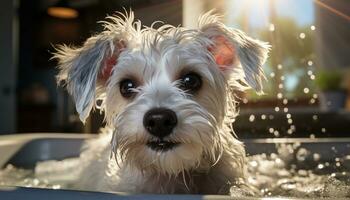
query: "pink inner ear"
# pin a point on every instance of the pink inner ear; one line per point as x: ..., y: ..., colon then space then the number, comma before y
x: 223, y: 51
x: 111, y: 60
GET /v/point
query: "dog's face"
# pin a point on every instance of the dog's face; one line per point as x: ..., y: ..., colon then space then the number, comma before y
x: 165, y: 91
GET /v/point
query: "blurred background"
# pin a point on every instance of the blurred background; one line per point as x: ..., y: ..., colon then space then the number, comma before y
x: 308, y: 72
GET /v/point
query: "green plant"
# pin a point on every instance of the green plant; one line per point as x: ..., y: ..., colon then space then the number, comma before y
x: 329, y: 80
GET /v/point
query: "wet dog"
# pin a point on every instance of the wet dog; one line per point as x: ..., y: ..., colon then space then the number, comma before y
x: 167, y: 98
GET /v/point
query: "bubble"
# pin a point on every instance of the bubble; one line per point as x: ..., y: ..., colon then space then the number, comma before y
x: 323, y: 130
x: 312, y: 136
x: 253, y: 163
x: 302, y: 35
x: 288, y: 116
x: 310, y: 63
x: 290, y: 121
x: 276, y: 133
x: 271, y: 117
x: 302, y: 154
x: 245, y: 101
x: 279, y: 95
x: 306, y: 90
x: 280, y: 86
x: 315, y: 96
x: 271, y: 130
x: 251, y: 118
x: 337, y: 164
x: 312, y: 27
x: 263, y: 117
x: 289, y: 131
x: 312, y: 77
x: 279, y: 66
x: 285, y: 109
x: 277, y: 109
x: 309, y: 72
x: 272, y: 74
x: 315, y: 117
x: 285, y: 101
x: 271, y: 27
x: 282, y: 78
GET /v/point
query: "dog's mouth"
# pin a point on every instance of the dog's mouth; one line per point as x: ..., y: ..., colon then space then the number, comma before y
x: 162, y: 145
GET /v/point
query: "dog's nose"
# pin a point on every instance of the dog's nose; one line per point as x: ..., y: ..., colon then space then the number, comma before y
x: 160, y: 121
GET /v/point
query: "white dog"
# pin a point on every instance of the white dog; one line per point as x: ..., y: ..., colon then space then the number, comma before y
x: 167, y: 97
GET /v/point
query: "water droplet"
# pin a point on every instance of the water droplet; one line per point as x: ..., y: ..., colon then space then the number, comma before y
x: 288, y: 116
x: 316, y: 157
x: 277, y: 108
x: 289, y: 131
x: 285, y: 109
x: 271, y: 117
x: 272, y: 74
x: 271, y: 27
x: 280, y: 86
x: 290, y: 121
x: 279, y: 66
x: 285, y: 101
x: 306, y: 90
x: 315, y: 117
x: 315, y: 96
x: 310, y: 63
x: 312, y: 77
x: 245, y: 101
x: 320, y: 166
x: 292, y: 127
x: 251, y: 118
x: 323, y: 130
x: 271, y: 130
x: 312, y: 101
x: 312, y: 136
x: 309, y: 72
x: 282, y: 78
x: 276, y: 133
x: 279, y: 95
x: 263, y: 117
x: 313, y: 27
x: 302, y: 35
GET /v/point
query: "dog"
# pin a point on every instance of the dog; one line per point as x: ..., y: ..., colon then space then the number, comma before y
x: 167, y: 94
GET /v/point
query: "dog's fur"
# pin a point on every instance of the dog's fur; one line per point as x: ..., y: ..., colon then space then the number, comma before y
x: 209, y: 158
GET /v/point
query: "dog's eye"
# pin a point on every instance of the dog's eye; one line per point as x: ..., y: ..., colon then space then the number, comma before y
x: 126, y: 87
x: 191, y: 82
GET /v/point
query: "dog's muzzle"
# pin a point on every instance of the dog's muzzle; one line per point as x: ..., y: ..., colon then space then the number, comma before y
x: 160, y: 122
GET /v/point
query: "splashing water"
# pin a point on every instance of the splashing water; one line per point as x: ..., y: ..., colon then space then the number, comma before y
x: 293, y: 171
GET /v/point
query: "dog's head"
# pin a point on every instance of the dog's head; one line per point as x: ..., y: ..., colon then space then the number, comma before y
x: 165, y: 91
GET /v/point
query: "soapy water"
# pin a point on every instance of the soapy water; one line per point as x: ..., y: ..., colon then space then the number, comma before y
x: 291, y: 172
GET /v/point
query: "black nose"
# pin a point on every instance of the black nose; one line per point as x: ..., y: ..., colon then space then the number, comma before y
x: 160, y: 121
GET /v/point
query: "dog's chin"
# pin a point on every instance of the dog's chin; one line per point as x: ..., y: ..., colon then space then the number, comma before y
x: 165, y: 156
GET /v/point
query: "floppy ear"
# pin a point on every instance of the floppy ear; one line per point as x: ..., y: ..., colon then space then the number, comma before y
x: 233, y: 51
x: 86, y: 70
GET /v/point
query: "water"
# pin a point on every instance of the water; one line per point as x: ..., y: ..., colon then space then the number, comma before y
x: 292, y: 172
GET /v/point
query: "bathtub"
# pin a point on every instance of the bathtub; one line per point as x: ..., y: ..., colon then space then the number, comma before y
x: 26, y: 150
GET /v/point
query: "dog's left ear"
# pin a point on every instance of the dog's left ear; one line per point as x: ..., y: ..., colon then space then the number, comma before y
x: 232, y: 50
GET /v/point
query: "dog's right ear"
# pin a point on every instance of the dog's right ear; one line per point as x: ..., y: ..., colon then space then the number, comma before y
x: 86, y: 70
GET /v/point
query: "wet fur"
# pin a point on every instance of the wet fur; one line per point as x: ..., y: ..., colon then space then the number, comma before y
x: 210, y: 159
